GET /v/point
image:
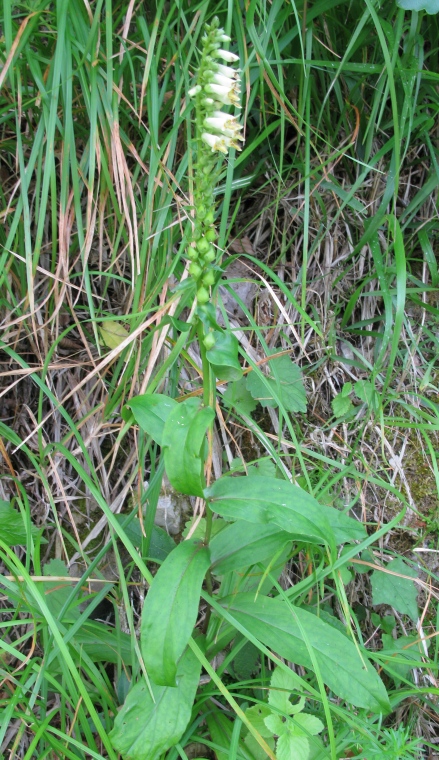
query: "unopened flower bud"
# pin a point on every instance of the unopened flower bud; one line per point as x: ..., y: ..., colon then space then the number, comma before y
x: 202, y: 295
x: 209, y: 279
x: 203, y: 245
x: 210, y: 255
x: 211, y: 235
x: 209, y: 341
x: 195, y: 270
x: 192, y: 253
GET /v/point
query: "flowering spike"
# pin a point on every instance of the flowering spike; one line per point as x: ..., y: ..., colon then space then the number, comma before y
x: 217, y: 132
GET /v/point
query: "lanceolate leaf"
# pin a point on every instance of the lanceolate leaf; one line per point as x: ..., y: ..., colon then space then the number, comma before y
x: 284, y: 385
x: 151, y: 412
x: 12, y: 527
x: 183, y: 440
x: 224, y: 356
x: 399, y: 592
x: 242, y: 544
x: 272, y: 501
x: 279, y: 627
x: 146, y: 727
x: 171, y: 608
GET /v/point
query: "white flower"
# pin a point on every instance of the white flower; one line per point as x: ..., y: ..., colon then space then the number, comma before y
x: 194, y: 90
x: 219, y: 78
x: 228, y: 71
x: 218, y: 143
x: 226, y: 55
x: 225, y: 124
x: 215, y: 142
x: 224, y: 94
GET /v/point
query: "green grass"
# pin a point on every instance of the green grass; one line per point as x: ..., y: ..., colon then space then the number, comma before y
x: 331, y: 211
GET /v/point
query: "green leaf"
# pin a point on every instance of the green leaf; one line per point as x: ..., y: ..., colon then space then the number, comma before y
x: 281, y: 686
x: 276, y: 624
x: 148, y: 725
x: 112, y: 333
x: 257, y: 715
x: 399, y: 593
x: 12, y: 527
x: 161, y: 543
x: 284, y: 383
x: 57, y: 592
x: 341, y: 405
x: 290, y: 746
x: 238, y: 397
x: 246, y: 661
x: 221, y: 730
x: 183, y: 441
x: 307, y: 723
x: 171, y: 608
x: 151, y: 412
x: 429, y: 6
x: 256, y: 750
x: 268, y: 500
x: 365, y: 390
x: 102, y: 644
x: 406, y: 655
x: 275, y: 724
x: 223, y: 357
x: 242, y: 544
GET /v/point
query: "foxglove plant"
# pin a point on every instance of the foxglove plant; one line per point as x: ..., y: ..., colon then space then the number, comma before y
x: 217, y: 85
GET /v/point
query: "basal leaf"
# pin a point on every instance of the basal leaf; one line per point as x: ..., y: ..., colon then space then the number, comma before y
x: 404, y: 654
x: 12, y: 527
x: 284, y: 383
x: 275, y: 724
x: 256, y: 715
x: 57, y: 592
x: 282, y: 684
x: 224, y: 356
x: 237, y: 396
x: 290, y: 746
x: 171, y: 608
x: 341, y: 405
x: 270, y: 501
x: 148, y: 726
x: 274, y: 623
x: 183, y: 440
x: 151, y: 412
x: 112, y: 333
x: 429, y: 6
x: 242, y: 544
x: 307, y: 723
x: 160, y: 545
x: 400, y: 593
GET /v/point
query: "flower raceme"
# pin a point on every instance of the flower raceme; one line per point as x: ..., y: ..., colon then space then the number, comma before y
x: 217, y: 132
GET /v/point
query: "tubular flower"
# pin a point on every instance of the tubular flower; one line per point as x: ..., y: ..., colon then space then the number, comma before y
x: 229, y: 95
x: 217, y: 85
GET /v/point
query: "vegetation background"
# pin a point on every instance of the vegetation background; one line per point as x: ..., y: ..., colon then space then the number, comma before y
x: 328, y: 221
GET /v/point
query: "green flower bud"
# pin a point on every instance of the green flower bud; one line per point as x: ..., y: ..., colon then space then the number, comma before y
x: 203, y: 245
x: 201, y: 212
x: 192, y: 253
x: 209, y: 341
x: 209, y: 278
x: 195, y: 270
x: 209, y: 218
x: 202, y: 295
x: 197, y: 233
x: 210, y: 255
x: 211, y: 235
